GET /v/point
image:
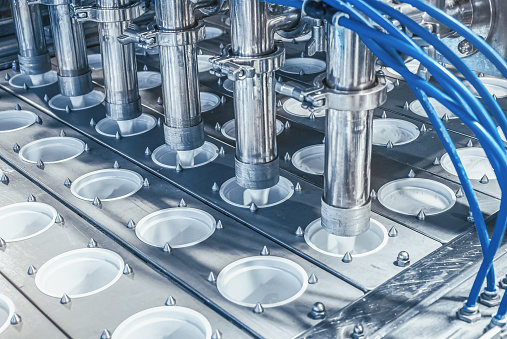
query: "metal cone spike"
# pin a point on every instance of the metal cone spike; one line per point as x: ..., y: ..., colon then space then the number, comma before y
x: 131, y: 224
x: 31, y: 270
x: 15, y: 319
x: 299, y: 232
x: 167, y: 248
x: 170, y: 301
x: 302, y: 53
x: 67, y: 182
x: 223, y: 99
x: 279, y: 104
x: 46, y: 98
x: 147, y: 151
x: 200, y: 52
x: 67, y: 109
x: 253, y: 207
x: 40, y: 164
x: 495, y: 97
x: 31, y: 198
x: 2, y: 243
x: 312, y: 116
x: 62, y: 133
x: 92, y: 122
x: 127, y: 269
x: 373, y: 194
x: 411, y: 174
x: 393, y: 232
x: 301, y: 73
x: 105, y: 334
x: 217, y: 127
x: 116, y: 165
x: 421, y: 215
x: 324, y: 140
x: 92, y: 243
x: 406, y: 107
x: 178, y: 168
x: 384, y: 115
x: 215, y: 187
x: 470, y: 143
x: 59, y: 219
x: 146, y: 182
x: 219, y: 225
x: 423, y: 128
x: 159, y: 101
x: 65, y: 299
x: 219, y: 81
x: 445, y: 117
x: 265, y: 251
x: 216, y: 334
x: 389, y: 144
x: 97, y: 202
x: 16, y: 148
x: 7, y: 77
x: 182, y: 203
x: 298, y: 187
x: 117, y: 136
x: 87, y: 148
x: 38, y: 120
x: 159, y: 122
x: 287, y: 125
x: 211, y: 278
x: 287, y: 157
x: 397, y: 83
x: 222, y: 151
x: 18, y: 107
x: 313, y: 279
x: 459, y: 193
x: 258, y: 309
x: 347, y: 258
x: 145, y: 68
x: 25, y: 86
x: 4, y: 179
x: 484, y: 179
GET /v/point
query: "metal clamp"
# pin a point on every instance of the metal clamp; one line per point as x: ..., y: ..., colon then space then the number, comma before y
x: 98, y: 14
x: 239, y: 68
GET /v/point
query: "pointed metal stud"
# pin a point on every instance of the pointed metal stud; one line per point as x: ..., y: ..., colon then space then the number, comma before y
x: 436, y: 162
x: 294, y: 41
x: 219, y: 225
x: 16, y: 148
x: 484, y: 179
x: 67, y: 182
x: 222, y: 151
x: 87, y: 148
x: 347, y: 258
x: 397, y: 83
x: 302, y: 54
x: 31, y: 198
x: 280, y: 79
x: 298, y: 187
x: 145, y: 67
x: 445, y: 118
x: 253, y: 207
x: 279, y: 104
x: 117, y: 136
x: 219, y: 81
x: 170, y: 301
x: 373, y: 194
x: 313, y: 279
x: 65, y: 299
x: 105, y: 334
x: 116, y: 164
x: 159, y: 122
x: 384, y: 115
x: 265, y: 251
x: 211, y: 278
x: 62, y: 133
x: 223, y: 99
x: 216, y: 334
x: 3, y: 244
x: 127, y: 269
x: 38, y: 120
x: 147, y: 151
x: 97, y: 202
x: 178, y: 168
x: 131, y: 224
x: 182, y: 203
x: 324, y: 140
x: 495, y: 97
x: 167, y: 248
x: 159, y: 100
x: 218, y: 127
x: 481, y: 75
x: 287, y: 125
x: 258, y: 309
x: 146, y: 182
x: 31, y: 270
x: 40, y: 164
x: 221, y: 46
x: 411, y: 174
x: 459, y: 193
x: 46, y: 98
x: 59, y: 219
x: 25, y: 87
x: 312, y: 116
x: 470, y: 143
x: 389, y: 144
x: 287, y: 157
x: 406, y: 106
x: 423, y: 128
x: 215, y: 187
x: 18, y: 107
x: 393, y: 232
x: 421, y: 215
x: 7, y: 77
x: 299, y: 232
x: 68, y: 110
x: 200, y: 51
x: 301, y: 73
x: 15, y: 319
x: 92, y: 243
x: 4, y: 179
x: 92, y: 122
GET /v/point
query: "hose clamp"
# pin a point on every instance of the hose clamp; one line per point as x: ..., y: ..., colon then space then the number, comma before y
x: 98, y: 14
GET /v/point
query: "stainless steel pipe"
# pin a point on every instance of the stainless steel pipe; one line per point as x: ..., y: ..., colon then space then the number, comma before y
x: 33, y: 54
x: 74, y: 74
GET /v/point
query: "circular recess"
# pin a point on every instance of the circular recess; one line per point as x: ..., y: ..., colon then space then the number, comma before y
x: 165, y: 322
x: 502, y: 135
x: 148, y: 80
x: 143, y: 51
x: 301, y: 38
x: 34, y: 81
x: 209, y: 101
x: 399, y: 132
x: 13, y: 120
x: 307, y: 65
x: 239, y: 196
x: 52, y: 150
x: 89, y: 100
x: 127, y: 128
x: 413, y: 66
x: 229, y: 129
x: 271, y: 281
x: 95, y: 62
x: 310, y: 159
x: 203, y: 64
x: 79, y: 273
x: 167, y: 157
x: 411, y: 195
x: 229, y: 85
x: 417, y: 108
x: 107, y: 184
x: 371, y: 241
x: 212, y: 32
x: 179, y: 227
x: 292, y: 106
x: 25, y: 220
x: 495, y: 86
x: 6, y: 312
x: 474, y: 161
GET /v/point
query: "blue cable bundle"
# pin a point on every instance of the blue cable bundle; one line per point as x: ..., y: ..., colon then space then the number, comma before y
x: 457, y: 97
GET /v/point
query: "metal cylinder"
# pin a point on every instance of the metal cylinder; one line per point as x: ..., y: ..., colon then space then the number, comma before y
x: 119, y: 67
x: 346, y: 201
x: 33, y: 54
x: 74, y: 74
